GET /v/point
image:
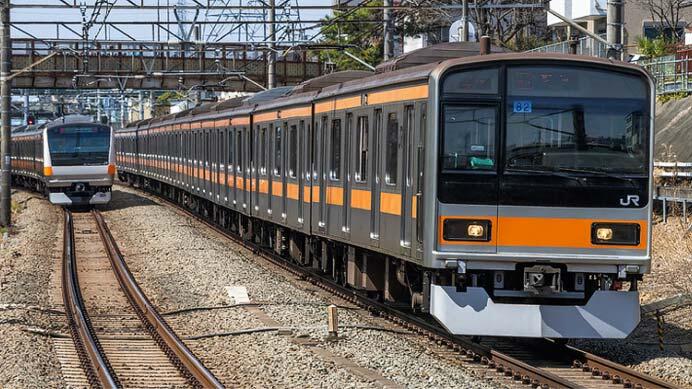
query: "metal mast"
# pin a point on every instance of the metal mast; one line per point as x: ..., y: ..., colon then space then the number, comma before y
x: 5, y: 93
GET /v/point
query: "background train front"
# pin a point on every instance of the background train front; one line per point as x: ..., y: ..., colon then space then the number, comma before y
x: 70, y: 159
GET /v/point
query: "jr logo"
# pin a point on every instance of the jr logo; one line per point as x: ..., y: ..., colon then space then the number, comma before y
x: 630, y: 200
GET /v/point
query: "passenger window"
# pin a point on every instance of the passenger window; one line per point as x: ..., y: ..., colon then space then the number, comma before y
x: 239, y: 151
x: 362, y: 149
x: 392, y: 154
x: 231, y: 151
x: 335, y: 172
x: 263, y: 152
x: 277, y: 152
x: 293, y: 152
x: 468, y: 138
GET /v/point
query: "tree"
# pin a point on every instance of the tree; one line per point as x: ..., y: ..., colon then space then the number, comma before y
x: 359, y: 32
x: 667, y: 13
x: 507, y: 26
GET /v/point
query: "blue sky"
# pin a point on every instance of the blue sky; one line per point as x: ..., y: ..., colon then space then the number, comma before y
x: 139, y: 32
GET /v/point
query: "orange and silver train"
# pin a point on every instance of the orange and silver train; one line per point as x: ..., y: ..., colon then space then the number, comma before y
x: 505, y: 194
x: 71, y: 159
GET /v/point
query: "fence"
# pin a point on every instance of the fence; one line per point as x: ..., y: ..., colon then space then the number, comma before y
x: 671, y: 72
x: 585, y: 46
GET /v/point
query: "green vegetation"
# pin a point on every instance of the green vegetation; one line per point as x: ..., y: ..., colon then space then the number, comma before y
x: 364, y: 40
x: 664, y: 98
x: 167, y: 97
x: 656, y: 47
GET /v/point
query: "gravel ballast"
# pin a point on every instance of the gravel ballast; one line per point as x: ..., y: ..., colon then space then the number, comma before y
x: 28, y: 360
x: 181, y: 264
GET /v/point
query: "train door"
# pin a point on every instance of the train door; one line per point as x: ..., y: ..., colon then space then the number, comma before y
x: 244, y: 169
x: 375, y: 178
x: 360, y: 193
x: 346, y: 174
x: 335, y: 184
x: 406, y: 175
x: 230, y: 168
x: 391, y: 183
x: 285, y: 171
x: 259, y: 198
x: 419, y: 169
x: 322, y: 173
x: 302, y: 172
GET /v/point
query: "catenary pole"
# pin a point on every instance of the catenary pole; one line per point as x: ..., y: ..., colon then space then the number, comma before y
x: 271, y: 63
x: 5, y: 95
x: 614, y: 20
x: 388, y: 44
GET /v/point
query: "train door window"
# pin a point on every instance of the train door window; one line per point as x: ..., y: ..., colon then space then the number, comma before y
x: 277, y: 151
x: 239, y: 151
x: 335, y: 165
x: 392, y: 150
x: 293, y: 152
x: 362, y: 150
x: 409, y: 115
x: 263, y: 152
x: 231, y: 151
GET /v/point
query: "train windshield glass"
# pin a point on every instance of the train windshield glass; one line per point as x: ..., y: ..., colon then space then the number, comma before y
x: 576, y: 120
x: 79, y: 145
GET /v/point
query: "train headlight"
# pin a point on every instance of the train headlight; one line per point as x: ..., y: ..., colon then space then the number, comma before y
x: 466, y: 230
x: 475, y: 230
x: 47, y: 171
x: 626, y: 234
x: 111, y: 169
x: 604, y: 233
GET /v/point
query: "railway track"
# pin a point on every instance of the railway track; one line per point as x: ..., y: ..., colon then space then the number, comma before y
x: 120, y: 339
x: 538, y: 363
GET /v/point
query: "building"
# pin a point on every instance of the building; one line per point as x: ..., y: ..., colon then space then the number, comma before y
x: 591, y: 14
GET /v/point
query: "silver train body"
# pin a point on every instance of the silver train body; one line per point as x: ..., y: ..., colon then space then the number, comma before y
x: 70, y: 159
x: 507, y: 194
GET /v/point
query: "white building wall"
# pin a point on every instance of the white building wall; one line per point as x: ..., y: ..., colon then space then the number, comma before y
x: 578, y: 10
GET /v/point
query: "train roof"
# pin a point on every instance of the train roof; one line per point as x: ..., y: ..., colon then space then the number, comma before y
x: 434, y: 54
x: 413, y: 67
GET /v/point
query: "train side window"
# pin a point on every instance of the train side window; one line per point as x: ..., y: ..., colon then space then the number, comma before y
x: 293, y: 152
x: 277, y: 151
x: 239, y: 151
x: 231, y: 150
x: 335, y: 165
x: 362, y: 149
x: 392, y: 154
x: 263, y: 151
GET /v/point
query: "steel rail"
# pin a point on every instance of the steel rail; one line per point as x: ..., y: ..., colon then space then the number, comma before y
x: 492, y: 358
x: 98, y: 371
x: 188, y: 364
x: 599, y: 366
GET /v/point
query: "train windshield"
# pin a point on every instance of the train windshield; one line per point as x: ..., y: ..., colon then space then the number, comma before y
x: 576, y: 120
x: 79, y: 145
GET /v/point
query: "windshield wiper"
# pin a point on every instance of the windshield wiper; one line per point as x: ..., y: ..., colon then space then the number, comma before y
x: 598, y: 173
x: 546, y: 172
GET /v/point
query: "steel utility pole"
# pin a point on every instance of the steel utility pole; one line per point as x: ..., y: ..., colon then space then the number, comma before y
x: 464, y: 36
x: 271, y: 63
x: 388, y: 44
x: 5, y: 93
x: 614, y: 20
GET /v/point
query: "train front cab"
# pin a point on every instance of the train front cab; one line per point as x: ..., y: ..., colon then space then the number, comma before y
x: 79, y: 163
x: 542, y: 196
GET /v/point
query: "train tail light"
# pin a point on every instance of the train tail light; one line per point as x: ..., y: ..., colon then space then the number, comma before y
x: 111, y: 169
